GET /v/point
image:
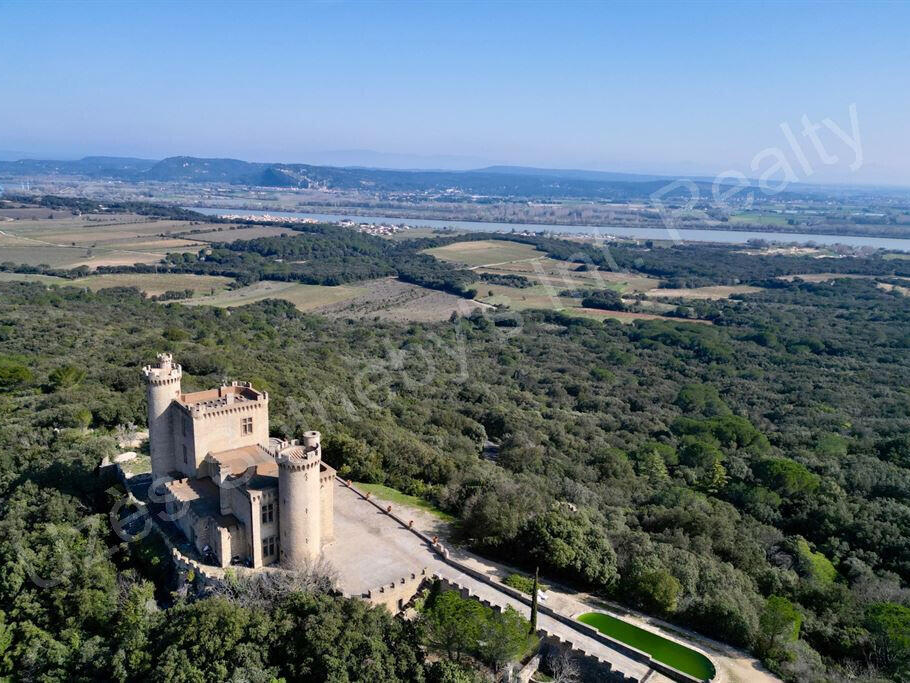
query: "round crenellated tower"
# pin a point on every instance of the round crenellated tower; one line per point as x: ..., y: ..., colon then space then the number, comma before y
x: 299, y: 509
x: 163, y: 380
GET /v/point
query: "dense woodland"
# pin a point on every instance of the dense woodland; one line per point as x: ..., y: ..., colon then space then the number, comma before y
x: 749, y: 479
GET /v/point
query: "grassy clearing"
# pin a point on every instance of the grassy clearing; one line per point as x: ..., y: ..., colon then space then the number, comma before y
x: 27, y: 277
x: 70, y: 257
x: 304, y: 297
x: 756, y: 218
x: 564, y: 275
x: 150, y: 283
x: 155, y: 283
x: 396, y: 496
x: 141, y: 464
x: 627, y: 316
x: 546, y: 297
x: 663, y: 650
x: 68, y: 241
x: 521, y: 299
x: 392, y: 299
x: 719, y: 292
x: 523, y: 583
x: 421, y: 233
x: 485, y: 252
x: 824, y: 277
x: 896, y: 256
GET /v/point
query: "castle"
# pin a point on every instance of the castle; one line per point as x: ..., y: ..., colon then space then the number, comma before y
x: 236, y: 494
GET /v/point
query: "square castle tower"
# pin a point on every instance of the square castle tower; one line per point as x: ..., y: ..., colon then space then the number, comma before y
x: 236, y: 494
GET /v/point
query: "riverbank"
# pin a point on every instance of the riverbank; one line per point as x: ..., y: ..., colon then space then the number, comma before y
x: 727, y: 235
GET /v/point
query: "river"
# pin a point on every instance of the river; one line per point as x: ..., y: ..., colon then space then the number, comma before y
x: 685, y: 234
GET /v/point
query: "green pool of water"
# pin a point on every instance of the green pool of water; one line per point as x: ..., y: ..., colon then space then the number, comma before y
x: 666, y: 651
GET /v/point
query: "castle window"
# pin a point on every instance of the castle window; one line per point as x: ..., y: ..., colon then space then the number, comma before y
x: 269, y: 546
x: 185, y: 425
x: 184, y: 455
x: 268, y: 513
x: 246, y: 426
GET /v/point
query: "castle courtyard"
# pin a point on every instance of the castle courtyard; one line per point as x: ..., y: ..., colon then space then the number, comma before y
x: 371, y: 549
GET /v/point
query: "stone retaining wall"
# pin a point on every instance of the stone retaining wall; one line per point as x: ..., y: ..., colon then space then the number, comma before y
x: 590, y: 631
x: 397, y: 594
x: 596, y: 669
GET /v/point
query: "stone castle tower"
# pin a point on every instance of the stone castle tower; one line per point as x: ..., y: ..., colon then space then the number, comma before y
x: 163, y: 383
x: 236, y: 493
x: 298, y: 489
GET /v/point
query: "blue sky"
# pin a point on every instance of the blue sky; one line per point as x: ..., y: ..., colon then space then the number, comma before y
x: 651, y: 87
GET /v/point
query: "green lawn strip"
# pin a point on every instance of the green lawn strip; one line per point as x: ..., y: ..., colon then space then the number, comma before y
x: 523, y: 583
x: 666, y: 651
x: 396, y: 496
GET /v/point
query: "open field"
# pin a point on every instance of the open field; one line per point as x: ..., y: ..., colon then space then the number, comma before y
x: 32, y: 213
x: 68, y: 241
x: 421, y: 233
x: 520, y: 299
x: 718, y: 292
x: 241, y: 234
x: 304, y: 297
x: 394, y: 300
x: 485, y: 252
x: 28, y: 277
x: 386, y: 298
x: 824, y: 277
x: 759, y: 219
x: 542, y: 297
x: 150, y: 283
x: 896, y: 256
x: 155, y: 283
x: 628, y: 316
x: 70, y: 257
x: 564, y: 275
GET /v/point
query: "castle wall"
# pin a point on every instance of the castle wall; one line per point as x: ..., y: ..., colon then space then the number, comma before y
x: 213, y: 431
x: 286, y: 524
x: 268, y: 529
x: 241, y: 508
x: 395, y: 595
x: 180, y: 515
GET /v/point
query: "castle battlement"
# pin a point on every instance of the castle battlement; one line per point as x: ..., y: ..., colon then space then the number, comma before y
x: 165, y: 371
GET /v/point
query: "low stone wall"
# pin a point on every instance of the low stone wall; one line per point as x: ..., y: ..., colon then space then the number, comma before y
x: 395, y: 595
x: 523, y: 675
x: 595, y: 668
x: 590, y: 631
x: 182, y: 563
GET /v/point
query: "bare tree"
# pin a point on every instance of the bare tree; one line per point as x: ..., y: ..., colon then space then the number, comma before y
x: 263, y: 588
x: 564, y: 667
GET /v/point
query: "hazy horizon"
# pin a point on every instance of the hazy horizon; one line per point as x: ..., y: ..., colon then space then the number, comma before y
x: 665, y: 89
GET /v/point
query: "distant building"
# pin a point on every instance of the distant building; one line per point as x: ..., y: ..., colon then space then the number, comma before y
x: 234, y: 492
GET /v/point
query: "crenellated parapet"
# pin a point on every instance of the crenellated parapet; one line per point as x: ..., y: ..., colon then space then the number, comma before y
x: 300, y: 508
x: 202, y: 411
x: 296, y: 460
x: 164, y: 373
